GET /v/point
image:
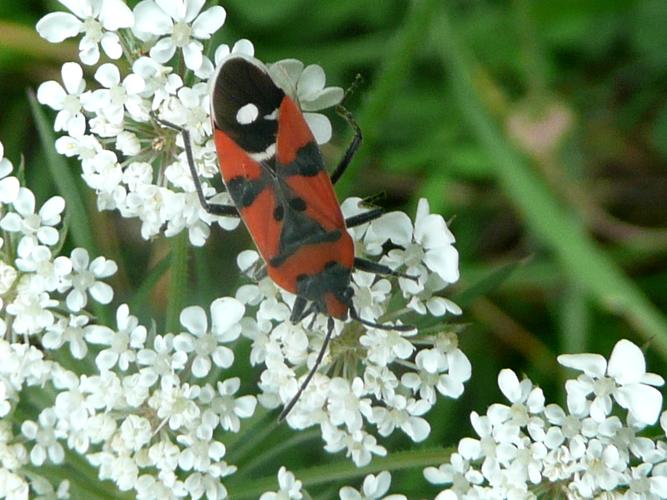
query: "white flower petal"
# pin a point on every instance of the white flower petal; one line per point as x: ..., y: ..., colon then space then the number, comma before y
x: 445, y: 262
x: 108, y: 75
x: 58, y: 26
x: 626, y: 363
x: 106, y: 359
x: 327, y: 98
x: 311, y: 81
x: 192, y: 54
x: 643, y: 401
x: 194, y: 319
x: 82, y: 8
x: 192, y: 8
x: 593, y: 365
x: 208, y: 22
x: 111, y: 45
x: 73, y: 78
x: 52, y: 94
x: 320, y: 126
x: 115, y: 14
x: 225, y: 313
x: 163, y: 50
x: 150, y: 18
x: 101, y: 292
x: 201, y: 366
x: 175, y: 8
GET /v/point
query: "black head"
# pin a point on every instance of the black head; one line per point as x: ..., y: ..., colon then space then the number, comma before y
x: 329, y: 290
x: 245, y: 103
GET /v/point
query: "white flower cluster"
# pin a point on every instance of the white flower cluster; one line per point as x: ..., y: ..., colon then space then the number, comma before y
x: 134, y: 165
x: 529, y: 448
x: 147, y: 414
x: 42, y: 293
x: 386, y: 379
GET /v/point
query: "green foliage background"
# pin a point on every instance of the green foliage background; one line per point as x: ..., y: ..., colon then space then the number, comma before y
x: 538, y: 127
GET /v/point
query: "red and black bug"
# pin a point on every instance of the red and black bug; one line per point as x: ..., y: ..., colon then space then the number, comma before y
x: 274, y: 172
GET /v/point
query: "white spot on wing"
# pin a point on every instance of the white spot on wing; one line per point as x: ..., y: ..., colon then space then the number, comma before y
x: 272, y: 116
x: 247, y: 114
x: 266, y: 154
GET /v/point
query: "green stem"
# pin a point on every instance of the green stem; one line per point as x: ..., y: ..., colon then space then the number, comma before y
x: 178, y: 280
x: 345, y: 470
x: 585, y: 262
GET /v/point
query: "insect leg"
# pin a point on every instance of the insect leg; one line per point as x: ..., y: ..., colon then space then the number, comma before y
x: 398, y: 328
x: 311, y: 373
x: 213, y: 209
x: 359, y: 219
x: 298, y: 309
x: 375, y: 267
x: 351, y: 149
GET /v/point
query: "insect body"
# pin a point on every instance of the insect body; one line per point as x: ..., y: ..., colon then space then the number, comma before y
x: 274, y: 173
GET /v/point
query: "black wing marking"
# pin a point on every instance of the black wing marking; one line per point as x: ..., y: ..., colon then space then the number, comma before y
x: 245, y: 103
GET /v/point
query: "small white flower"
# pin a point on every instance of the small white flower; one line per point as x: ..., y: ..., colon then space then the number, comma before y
x: 31, y: 312
x: 67, y: 101
x: 229, y: 409
x: 625, y: 378
x: 46, y: 442
x: 123, y: 344
x: 34, y: 225
x: 51, y: 273
x: 117, y: 95
x: 429, y: 246
x: 84, y: 279
x: 290, y: 488
x: 182, y: 24
x: 374, y: 487
x: 225, y: 314
x: 306, y: 86
x: 161, y: 361
x: 91, y: 17
x: 71, y: 330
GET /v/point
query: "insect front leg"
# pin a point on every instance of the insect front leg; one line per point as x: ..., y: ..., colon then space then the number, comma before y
x: 351, y: 149
x: 213, y: 209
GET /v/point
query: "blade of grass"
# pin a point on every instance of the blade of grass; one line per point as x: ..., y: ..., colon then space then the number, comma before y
x: 79, y: 228
x: 344, y: 470
x: 154, y: 275
x: 580, y: 256
x: 487, y: 284
x: 178, y: 280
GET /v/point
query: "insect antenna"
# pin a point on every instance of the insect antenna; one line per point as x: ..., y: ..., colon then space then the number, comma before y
x: 311, y: 373
x: 398, y: 328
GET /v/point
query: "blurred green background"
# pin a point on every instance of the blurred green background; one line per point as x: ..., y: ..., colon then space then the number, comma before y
x: 539, y: 128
